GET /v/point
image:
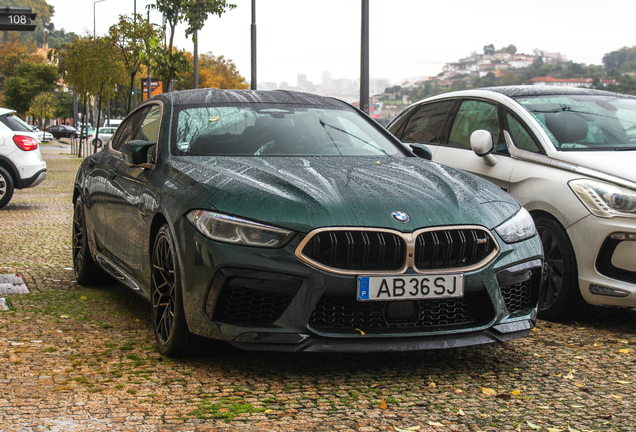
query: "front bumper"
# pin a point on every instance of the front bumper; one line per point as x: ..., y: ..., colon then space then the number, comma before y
x: 605, y: 252
x: 267, y: 299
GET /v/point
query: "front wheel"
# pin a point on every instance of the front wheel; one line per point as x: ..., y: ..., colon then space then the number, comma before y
x: 6, y: 187
x: 168, y: 317
x: 559, y: 293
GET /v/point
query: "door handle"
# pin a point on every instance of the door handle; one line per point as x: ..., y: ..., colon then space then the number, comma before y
x: 112, y: 174
x: 92, y: 162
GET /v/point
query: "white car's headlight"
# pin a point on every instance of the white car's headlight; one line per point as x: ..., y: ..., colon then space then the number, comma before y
x: 231, y: 229
x: 605, y: 199
x: 517, y: 228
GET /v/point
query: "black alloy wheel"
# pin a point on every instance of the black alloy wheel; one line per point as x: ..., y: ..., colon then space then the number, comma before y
x: 86, y: 271
x: 6, y: 187
x: 559, y: 292
x: 168, y: 318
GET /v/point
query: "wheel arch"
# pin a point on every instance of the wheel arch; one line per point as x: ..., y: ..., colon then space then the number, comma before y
x: 11, y: 169
x: 158, y: 221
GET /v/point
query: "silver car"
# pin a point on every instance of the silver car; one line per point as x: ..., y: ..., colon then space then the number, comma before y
x: 568, y: 156
x: 103, y: 136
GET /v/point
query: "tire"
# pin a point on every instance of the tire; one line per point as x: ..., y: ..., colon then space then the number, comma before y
x: 6, y: 187
x: 560, y: 293
x: 97, y: 143
x: 86, y: 271
x: 168, y: 317
x: 72, y: 136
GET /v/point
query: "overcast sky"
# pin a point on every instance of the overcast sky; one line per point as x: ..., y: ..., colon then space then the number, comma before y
x: 408, y: 38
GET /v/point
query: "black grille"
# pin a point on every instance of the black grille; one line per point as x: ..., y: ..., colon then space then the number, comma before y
x: 357, y: 250
x: 452, y: 248
x: 238, y: 305
x: 521, y: 296
x: 345, y: 314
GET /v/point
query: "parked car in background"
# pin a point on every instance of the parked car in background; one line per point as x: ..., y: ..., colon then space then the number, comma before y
x: 101, y: 136
x: 42, y: 135
x: 21, y: 164
x: 568, y: 156
x: 277, y: 220
x: 62, y: 131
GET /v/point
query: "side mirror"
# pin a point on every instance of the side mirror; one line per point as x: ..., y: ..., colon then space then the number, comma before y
x: 481, y: 143
x: 135, y: 153
x: 422, y: 151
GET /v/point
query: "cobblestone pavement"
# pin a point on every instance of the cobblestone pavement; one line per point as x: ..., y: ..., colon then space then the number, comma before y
x: 75, y: 359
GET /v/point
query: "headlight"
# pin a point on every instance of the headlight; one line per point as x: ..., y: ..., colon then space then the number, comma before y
x: 605, y: 199
x: 517, y: 228
x: 230, y: 229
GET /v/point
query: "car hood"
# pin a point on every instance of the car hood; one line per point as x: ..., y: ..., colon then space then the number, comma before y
x: 303, y: 193
x: 616, y: 163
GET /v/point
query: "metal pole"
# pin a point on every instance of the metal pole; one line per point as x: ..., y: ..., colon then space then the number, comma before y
x: 74, y: 108
x: 196, y: 60
x: 253, y: 80
x: 149, y: 75
x: 94, y: 3
x: 364, y: 59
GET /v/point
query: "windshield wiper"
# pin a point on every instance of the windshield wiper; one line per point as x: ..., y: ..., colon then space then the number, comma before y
x: 324, y: 125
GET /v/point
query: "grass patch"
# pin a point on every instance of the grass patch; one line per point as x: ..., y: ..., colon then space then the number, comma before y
x: 224, y: 408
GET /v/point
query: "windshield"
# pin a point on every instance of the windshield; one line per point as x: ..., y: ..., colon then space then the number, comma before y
x: 15, y: 123
x: 276, y: 130
x: 585, y: 122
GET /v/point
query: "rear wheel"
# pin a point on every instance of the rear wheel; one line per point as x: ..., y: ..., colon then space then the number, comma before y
x: 86, y: 271
x: 168, y: 317
x: 6, y: 187
x: 560, y: 293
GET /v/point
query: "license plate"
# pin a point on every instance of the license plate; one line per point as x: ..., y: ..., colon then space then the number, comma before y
x: 408, y: 287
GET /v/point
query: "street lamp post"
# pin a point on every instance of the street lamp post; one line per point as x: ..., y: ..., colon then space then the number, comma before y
x: 94, y: 3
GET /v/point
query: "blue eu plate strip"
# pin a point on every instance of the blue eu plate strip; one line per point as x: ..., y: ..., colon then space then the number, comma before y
x: 363, y: 288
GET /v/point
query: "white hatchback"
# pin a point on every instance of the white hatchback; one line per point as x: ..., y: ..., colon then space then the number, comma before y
x: 568, y: 155
x: 21, y: 164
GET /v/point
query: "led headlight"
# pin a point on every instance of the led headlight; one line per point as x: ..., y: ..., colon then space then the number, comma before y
x: 605, y: 199
x: 230, y: 229
x: 517, y: 228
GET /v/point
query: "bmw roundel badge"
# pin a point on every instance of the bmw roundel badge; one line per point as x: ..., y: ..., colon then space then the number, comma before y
x: 401, y: 216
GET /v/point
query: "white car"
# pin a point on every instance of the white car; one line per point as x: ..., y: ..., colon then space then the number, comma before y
x: 21, y: 164
x: 568, y: 155
x: 104, y: 135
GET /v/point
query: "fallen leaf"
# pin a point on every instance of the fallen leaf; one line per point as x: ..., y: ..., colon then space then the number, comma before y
x: 458, y: 391
x: 83, y: 298
x: 378, y: 162
x: 578, y: 406
x: 503, y: 396
x: 63, y: 316
x: 409, y: 429
x: 570, y: 429
x: 623, y: 382
x: 579, y: 385
x: 559, y: 374
x: 361, y: 332
x: 268, y: 411
x: 624, y: 351
x: 543, y: 406
x: 488, y: 391
x: 625, y: 341
x: 554, y: 430
x: 461, y: 413
x: 533, y: 426
x: 432, y: 385
x: 383, y: 405
x: 617, y: 397
x: 432, y: 423
x: 518, y: 428
x: 516, y: 392
x: 570, y: 375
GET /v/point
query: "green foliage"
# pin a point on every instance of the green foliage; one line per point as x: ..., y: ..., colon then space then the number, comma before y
x: 30, y: 80
x: 43, y: 106
x: 63, y: 105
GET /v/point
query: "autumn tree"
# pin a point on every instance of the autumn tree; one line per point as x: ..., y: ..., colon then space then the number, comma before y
x: 13, y: 52
x: 43, y: 107
x: 214, y: 72
x: 135, y: 38
x: 192, y: 12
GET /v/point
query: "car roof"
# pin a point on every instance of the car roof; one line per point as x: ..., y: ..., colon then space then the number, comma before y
x: 211, y: 96
x: 4, y: 111
x: 543, y: 90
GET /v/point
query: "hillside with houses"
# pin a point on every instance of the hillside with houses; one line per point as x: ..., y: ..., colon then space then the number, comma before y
x: 505, y: 66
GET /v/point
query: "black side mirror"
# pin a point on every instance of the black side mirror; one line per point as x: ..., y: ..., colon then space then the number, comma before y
x: 136, y: 152
x: 422, y: 151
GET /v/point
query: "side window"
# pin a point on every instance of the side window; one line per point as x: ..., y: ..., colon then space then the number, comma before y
x: 149, y: 129
x: 396, y: 127
x: 127, y: 130
x: 474, y: 115
x: 520, y: 137
x: 427, y: 124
